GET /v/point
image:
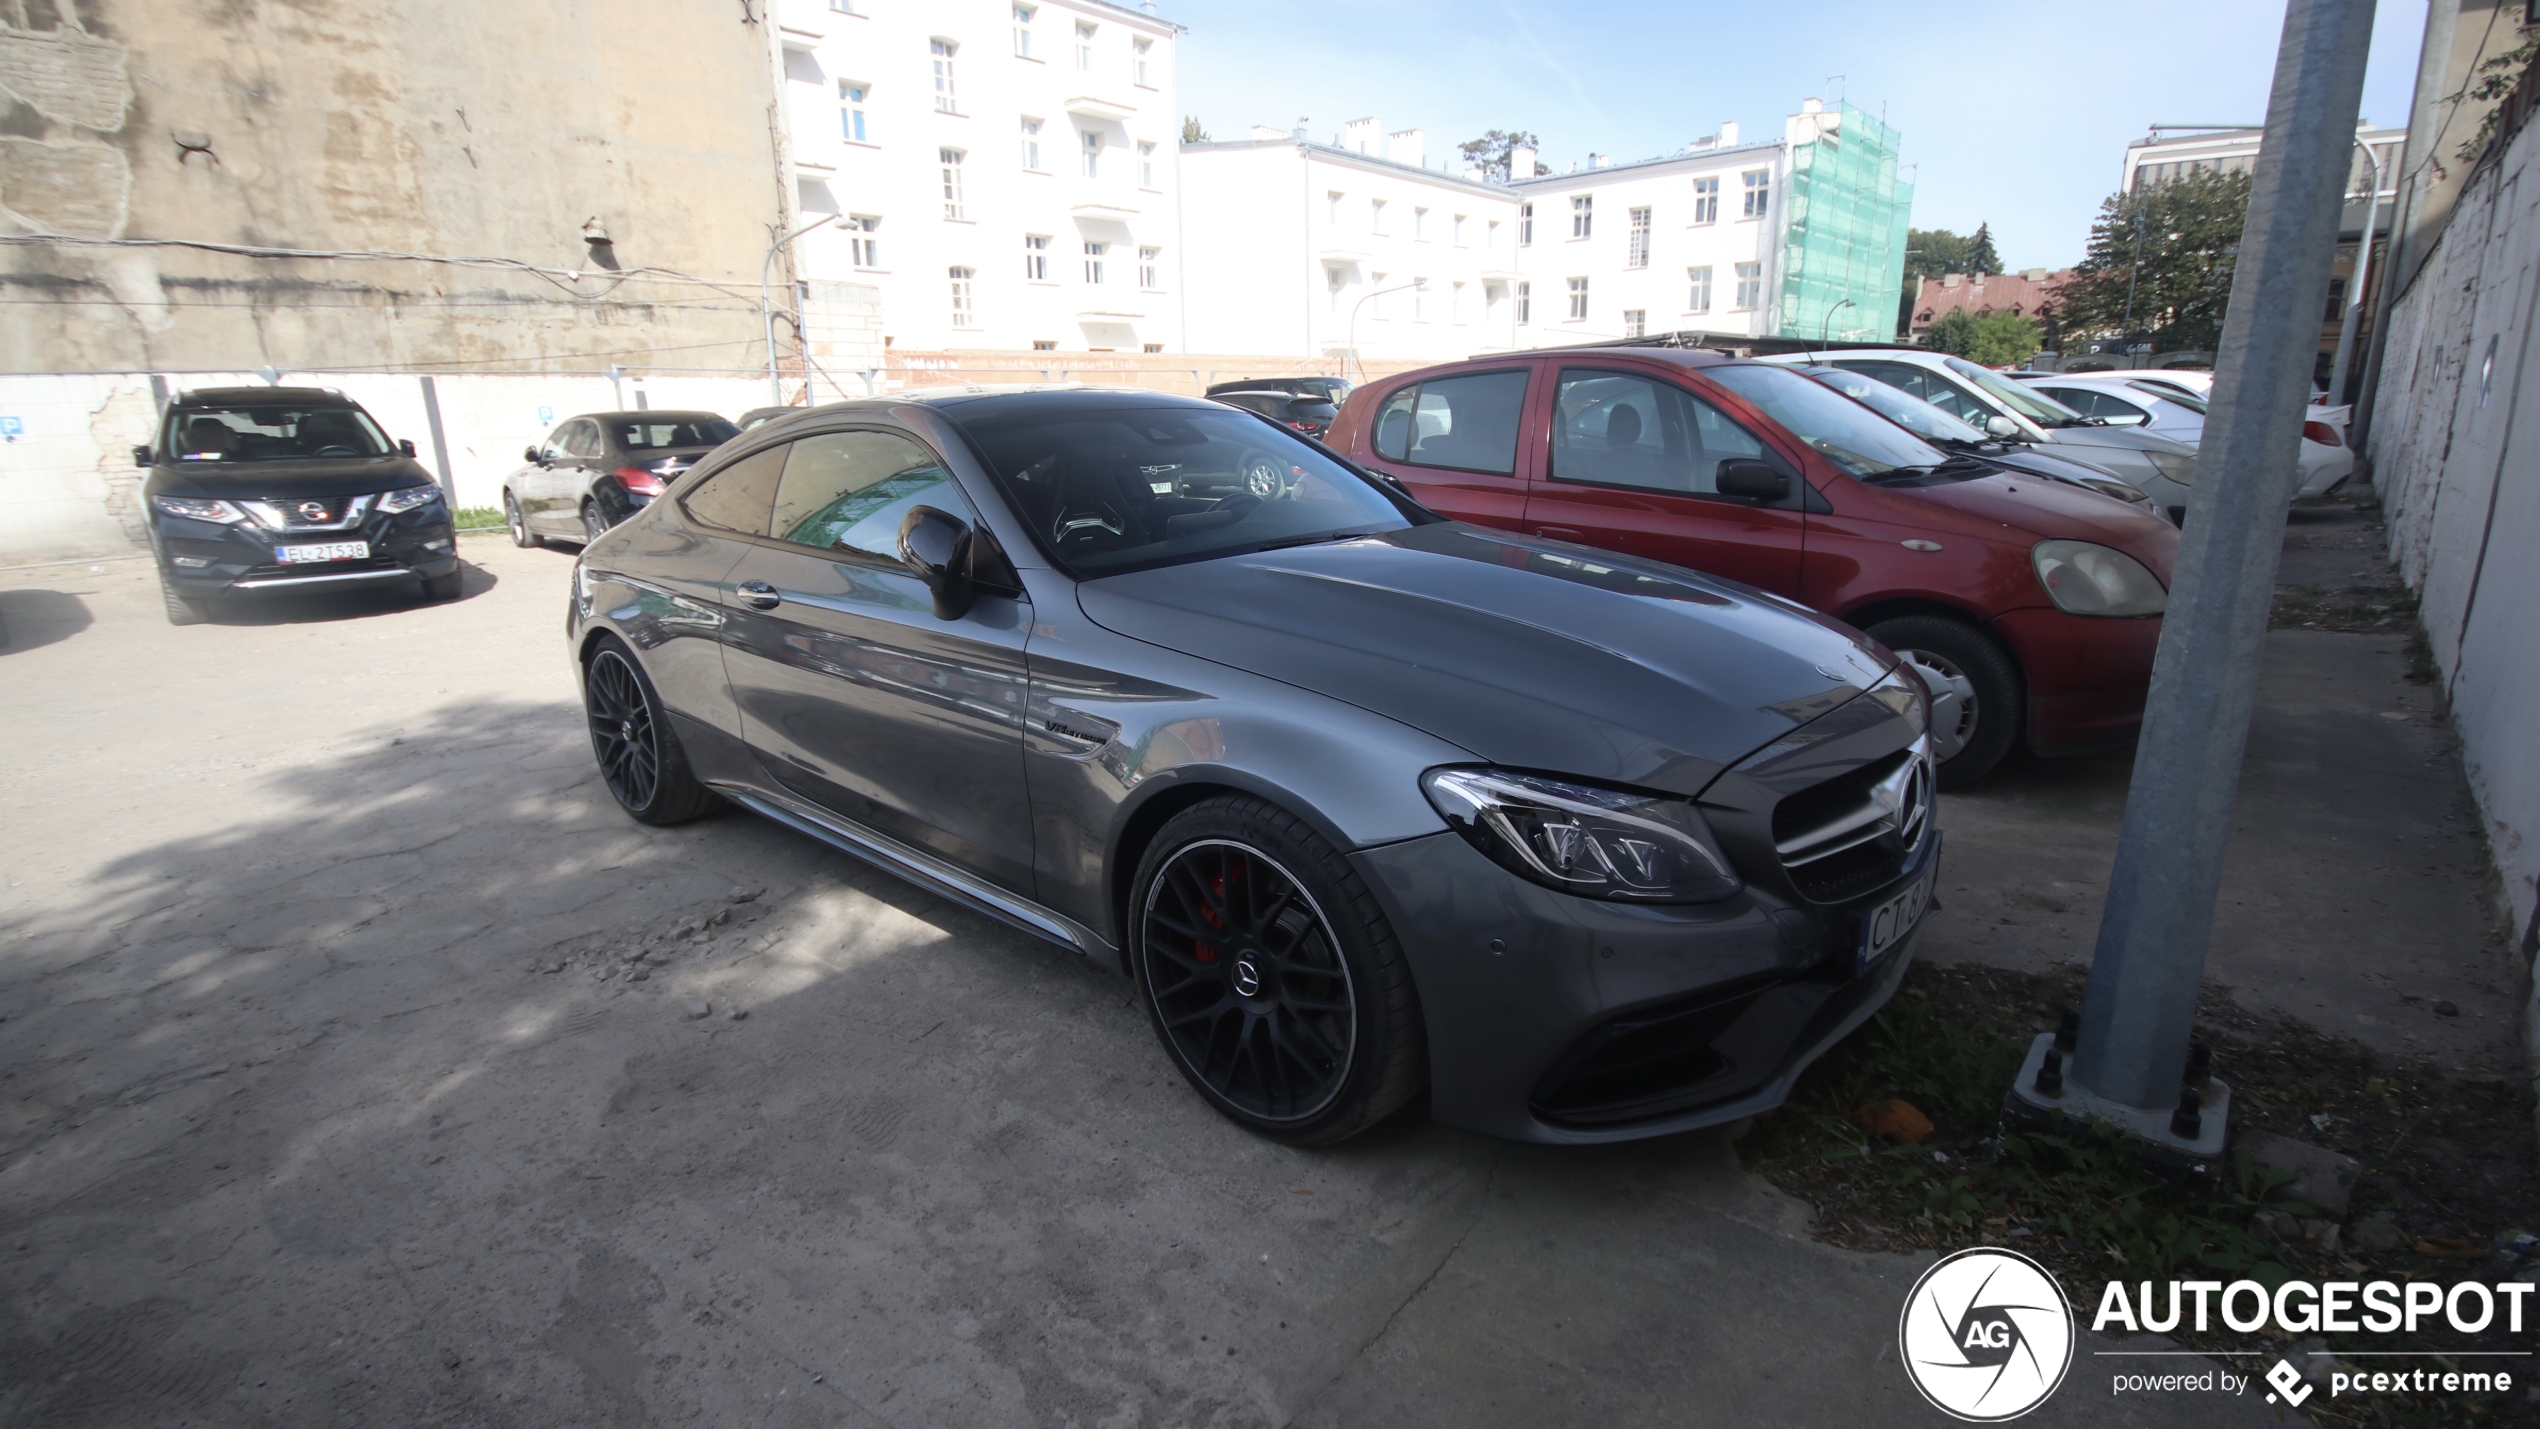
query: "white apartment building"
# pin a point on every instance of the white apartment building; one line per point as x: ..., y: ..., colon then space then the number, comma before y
x: 1319, y: 250
x: 1003, y: 172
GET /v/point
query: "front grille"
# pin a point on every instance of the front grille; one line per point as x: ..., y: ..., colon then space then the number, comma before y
x: 1843, y: 837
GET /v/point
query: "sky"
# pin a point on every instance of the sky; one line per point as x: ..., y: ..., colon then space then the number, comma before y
x: 2012, y: 114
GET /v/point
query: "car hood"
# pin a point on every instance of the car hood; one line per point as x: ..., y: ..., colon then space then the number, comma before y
x: 289, y: 480
x: 2052, y: 510
x: 2130, y: 438
x: 1532, y: 654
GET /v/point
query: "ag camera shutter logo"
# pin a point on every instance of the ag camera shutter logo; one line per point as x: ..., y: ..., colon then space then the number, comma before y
x: 1986, y: 1335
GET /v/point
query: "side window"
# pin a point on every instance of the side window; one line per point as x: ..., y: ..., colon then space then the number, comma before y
x: 1468, y: 423
x: 1623, y: 429
x: 582, y: 439
x: 739, y: 497
x: 847, y: 491
x: 555, y: 445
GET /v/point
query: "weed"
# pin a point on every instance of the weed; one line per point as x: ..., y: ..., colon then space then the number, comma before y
x: 478, y: 518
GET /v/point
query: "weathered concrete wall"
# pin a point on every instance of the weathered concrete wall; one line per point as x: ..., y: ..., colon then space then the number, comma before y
x: 463, y: 128
x: 2455, y: 448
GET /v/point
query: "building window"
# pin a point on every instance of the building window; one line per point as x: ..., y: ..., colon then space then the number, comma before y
x: 962, y: 312
x: 1333, y: 201
x: 1032, y: 144
x: 1638, y: 256
x: 1419, y: 300
x: 1698, y: 289
x: 1146, y: 164
x: 1043, y: 344
x: 1420, y: 224
x: 1036, y: 257
x: 1526, y: 225
x: 1141, y: 48
x: 1490, y: 236
x: 1578, y: 300
x: 1150, y: 267
x: 1525, y: 303
x: 1635, y: 322
x: 1706, y: 200
x: 1376, y: 216
x: 1750, y: 286
x: 1084, y: 45
x: 1334, y: 279
x: 1582, y: 214
x: 851, y: 110
x: 1093, y: 154
x: 1023, y: 31
x: 1759, y: 188
x: 1376, y: 296
x: 843, y: 7
x: 1458, y: 231
x: 950, y: 160
x: 1093, y: 261
x: 1455, y: 304
x: 944, y: 51
x: 863, y: 249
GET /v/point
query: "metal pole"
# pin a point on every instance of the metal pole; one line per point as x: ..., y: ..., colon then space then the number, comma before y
x: 1828, y: 321
x: 1353, y: 321
x: 2150, y: 961
x: 2355, y: 281
x: 767, y: 313
x: 440, y: 443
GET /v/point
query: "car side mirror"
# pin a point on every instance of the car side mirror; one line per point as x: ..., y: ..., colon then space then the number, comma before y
x: 1752, y: 480
x: 935, y: 546
x: 140, y: 456
x: 2002, y: 426
x: 405, y: 446
x: 530, y: 454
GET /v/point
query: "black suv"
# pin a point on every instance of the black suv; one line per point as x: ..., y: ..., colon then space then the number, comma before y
x: 1297, y: 411
x: 262, y: 490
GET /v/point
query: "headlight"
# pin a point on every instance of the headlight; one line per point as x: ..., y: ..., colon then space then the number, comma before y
x: 1902, y: 692
x: 408, y: 498
x: 2181, y: 469
x: 2083, y: 579
x: 1578, y: 838
x: 195, y: 508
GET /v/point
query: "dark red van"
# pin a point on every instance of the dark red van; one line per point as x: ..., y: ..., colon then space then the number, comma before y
x: 2030, y: 608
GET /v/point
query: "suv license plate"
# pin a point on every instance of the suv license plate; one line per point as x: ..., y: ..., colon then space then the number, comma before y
x: 1885, y: 926
x: 328, y: 551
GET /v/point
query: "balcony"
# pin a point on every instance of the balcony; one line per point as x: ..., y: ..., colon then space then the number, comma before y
x: 1093, y: 106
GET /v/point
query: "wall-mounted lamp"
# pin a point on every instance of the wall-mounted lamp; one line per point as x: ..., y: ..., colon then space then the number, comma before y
x: 603, y: 249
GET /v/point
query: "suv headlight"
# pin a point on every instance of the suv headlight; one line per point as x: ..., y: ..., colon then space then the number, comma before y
x: 2084, y: 579
x: 195, y: 508
x: 2181, y: 469
x: 1583, y: 839
x: 408, y: 498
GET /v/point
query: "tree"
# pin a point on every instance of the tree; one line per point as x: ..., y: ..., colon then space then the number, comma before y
x: 1929, y: 252
x: 2001, y: 339
x: 1492, y: 151
x: 1980, y: 255
x: 2187, y: 231
x: 1192, y: 133
x: 1955, y: 333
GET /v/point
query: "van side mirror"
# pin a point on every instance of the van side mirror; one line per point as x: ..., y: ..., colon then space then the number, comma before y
x: 405, y: 446
x: 140, y: 456
x: 2001, y: 426
x: 1752, y: 480
x: 935, y: 546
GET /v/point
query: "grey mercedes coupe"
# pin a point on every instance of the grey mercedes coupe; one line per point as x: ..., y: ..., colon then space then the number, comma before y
x: 1370, y: 804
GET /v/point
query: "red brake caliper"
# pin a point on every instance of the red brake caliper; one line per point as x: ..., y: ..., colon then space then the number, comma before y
x: 1208, y: 915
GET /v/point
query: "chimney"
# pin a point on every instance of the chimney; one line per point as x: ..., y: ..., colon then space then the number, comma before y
x: 1951, y: 280
x: 1728, y: 133
x: 1407, y: 146
x: 1600, y: 161
x: 1363, y: 136
x: 1812, y: 106
x: 1474, y: 173
x: 1707, y: 141
x: 1521, y: 163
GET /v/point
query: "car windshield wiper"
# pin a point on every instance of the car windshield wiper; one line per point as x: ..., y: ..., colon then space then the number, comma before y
x: 1960, y: 465
x: 1288, y: 541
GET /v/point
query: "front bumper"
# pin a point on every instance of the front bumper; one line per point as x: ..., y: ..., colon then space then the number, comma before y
x: 1724, y: 1004
x: 2087, y: 676
x: 238, y: 558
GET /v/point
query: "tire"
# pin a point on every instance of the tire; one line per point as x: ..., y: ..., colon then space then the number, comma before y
x: 595, y: 522
x: 1264, y: 475
x: 441, y: 587
x: 640, y: 759
x: 182, y: 610
x: 1977, y: 695
x: 522, y: 536
x: 1303, y: 1026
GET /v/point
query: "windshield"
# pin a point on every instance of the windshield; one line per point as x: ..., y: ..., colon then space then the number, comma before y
x: 637, y: 436
x: 204, y: 434
x: 1855, y: 439
x: 1124, y: 489
x: 2045, y: 411
x: 1899, y: 406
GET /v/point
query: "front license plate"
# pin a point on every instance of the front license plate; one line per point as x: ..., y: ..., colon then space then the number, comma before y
x: 1885, y: 926
x: 327, y: 551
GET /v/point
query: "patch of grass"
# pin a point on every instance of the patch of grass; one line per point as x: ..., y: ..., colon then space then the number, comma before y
x: 2359, y: 610
x: 478, y: 518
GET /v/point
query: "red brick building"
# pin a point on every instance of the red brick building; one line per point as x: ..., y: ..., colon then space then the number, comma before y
x: 1983, y: 293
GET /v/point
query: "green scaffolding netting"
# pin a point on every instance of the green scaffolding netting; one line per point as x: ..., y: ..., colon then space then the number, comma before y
x: 1846, y: 238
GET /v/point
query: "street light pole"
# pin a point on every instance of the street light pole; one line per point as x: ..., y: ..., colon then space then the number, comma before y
x: 767, y: 313
x: 1353, y: 318
x: 2355, y: 281
x: 2132, y: 1064
x: 1828, y: 321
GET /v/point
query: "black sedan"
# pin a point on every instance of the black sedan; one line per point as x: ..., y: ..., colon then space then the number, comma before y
x: 597, y: 469
x: 274, y: 490
x: 1370, y: 805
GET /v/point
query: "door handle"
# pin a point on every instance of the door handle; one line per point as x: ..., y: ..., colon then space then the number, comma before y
x: 759, y: 595
x: 1559, y: 533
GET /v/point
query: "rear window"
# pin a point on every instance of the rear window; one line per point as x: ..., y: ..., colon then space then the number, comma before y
x: 656, y: 436
x: 1466, y: 423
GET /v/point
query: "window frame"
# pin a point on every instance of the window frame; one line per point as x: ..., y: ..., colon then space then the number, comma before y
x: 1757, y: 185
x: 1031, y: 133
x: 1141, y: 51
x: 949, y: 161
x: 864, y: 249
x: 1636, y: 246
x: 1793, y: 500
x: 1036, y: 257
x: 1023, y: 17
x: 1740, y: 301
x: 1517, y: 441
x: 1095, y: 251
x: 947, y: 93
x: 1146, y: 165
x: 1698, y: 287
x: 853, y: 97
x: 1151, y: 268
x: 1526, y: 224
x: 1578, y: 309
x: 968, y: 512
x: 1706, y: 201
x: 964, y: 281
x: 1582, y: 217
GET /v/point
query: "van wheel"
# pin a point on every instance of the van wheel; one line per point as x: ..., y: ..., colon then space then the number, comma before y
x: 1975, y: 692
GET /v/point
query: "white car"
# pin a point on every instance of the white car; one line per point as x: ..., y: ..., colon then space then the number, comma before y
x: 2163, y: 402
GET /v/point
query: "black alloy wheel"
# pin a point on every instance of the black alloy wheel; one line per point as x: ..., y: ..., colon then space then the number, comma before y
x: 522, y: 536
x: 1271, y: 975
x: 640, y: 758
x: 595, y: 523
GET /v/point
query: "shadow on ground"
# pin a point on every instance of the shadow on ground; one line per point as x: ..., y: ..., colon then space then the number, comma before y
x: 32, y: 618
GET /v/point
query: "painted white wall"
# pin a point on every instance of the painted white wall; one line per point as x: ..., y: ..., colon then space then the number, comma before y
x: 894, y: 175
x: 1679, y: 240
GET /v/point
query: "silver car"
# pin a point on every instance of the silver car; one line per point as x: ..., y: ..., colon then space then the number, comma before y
x: 1372, y: 806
